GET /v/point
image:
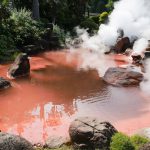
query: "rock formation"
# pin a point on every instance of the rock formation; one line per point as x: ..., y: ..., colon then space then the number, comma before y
x: 4, y: 83
x: 20, y: 67
x: 90, y: 134
x: 13, y: 142
x: 122, y: 77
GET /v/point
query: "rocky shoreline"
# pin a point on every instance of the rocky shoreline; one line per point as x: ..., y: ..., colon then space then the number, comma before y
x: 85, y: 133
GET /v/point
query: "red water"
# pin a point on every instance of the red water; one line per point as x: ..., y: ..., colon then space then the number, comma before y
x: 57, y: 92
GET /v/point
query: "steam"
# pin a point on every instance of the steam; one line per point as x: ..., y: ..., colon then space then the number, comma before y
x: 145, y: 85
x: 132, y: 16
x: 140, y: 46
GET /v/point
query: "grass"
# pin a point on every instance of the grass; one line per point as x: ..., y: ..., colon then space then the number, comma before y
x: 61, y: 148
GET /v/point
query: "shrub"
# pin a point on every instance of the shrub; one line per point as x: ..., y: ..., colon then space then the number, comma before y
x: 103, y: 17
x: 4, y: 12
x: 60, y: 33
x: 89, y: 24
x: 139, y: 141
x: 121, y: 142
x: 95, y: 19
x: 23, y: 27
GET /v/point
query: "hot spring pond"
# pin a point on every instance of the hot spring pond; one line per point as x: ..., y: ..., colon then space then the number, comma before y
x: 57, y: 92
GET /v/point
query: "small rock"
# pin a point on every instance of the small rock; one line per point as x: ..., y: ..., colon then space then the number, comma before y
x: 4, y: 83
x: 136, y: 59
x: 118, y: 76
x: 90, y: 134
x: 14, y: 142
x: 20, y: 67
x: 56, y: 141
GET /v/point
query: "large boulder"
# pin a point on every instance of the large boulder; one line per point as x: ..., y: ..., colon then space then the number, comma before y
x: 118, y: 76
x: 14, y: 142
x: 122, y: 44
x: 4, y: 83
x: 90, y: 133
x: 20, y: 67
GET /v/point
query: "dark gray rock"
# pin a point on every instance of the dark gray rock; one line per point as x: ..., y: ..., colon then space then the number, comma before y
x: 56, y: 141
x: 4, y: 83
x: 90, y: 134
x: 122, y: 77
x: 13, y: 142
x: 20, y: 67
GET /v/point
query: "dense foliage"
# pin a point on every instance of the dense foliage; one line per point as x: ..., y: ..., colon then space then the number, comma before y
x: 139, y: 141
x: 121, y: 142
x: 19, y: 26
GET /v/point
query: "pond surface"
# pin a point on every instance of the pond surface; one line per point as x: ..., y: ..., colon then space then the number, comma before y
x: 57, y: 92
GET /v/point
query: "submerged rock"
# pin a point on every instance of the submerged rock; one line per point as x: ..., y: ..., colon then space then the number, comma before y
x: 122, y: 77
x: 14, y: 142
x: 4, y: 83
x: 90, y: 133
x: 56, y: 142
x: 20, y: 67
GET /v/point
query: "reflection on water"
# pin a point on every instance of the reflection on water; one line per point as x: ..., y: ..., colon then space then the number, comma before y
x: 57, y: 92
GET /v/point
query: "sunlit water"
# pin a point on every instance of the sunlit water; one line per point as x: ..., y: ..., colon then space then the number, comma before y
x: 57, y: 92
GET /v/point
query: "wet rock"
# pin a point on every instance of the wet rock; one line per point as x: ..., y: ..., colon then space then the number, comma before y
x: 20, y: 67
x: 13, y: 142
x: 90, y: 133
x: 118, y: 76
x: 136, y: 59
x: 56, y: 142
x: 147, y: 54
x: 145, y: 147
x: 122, y: 44
x: 4, y: 83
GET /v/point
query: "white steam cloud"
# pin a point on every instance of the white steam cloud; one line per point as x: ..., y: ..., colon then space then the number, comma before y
x: 145, y: 85
x: 140, y: 46
x: 132, y: 16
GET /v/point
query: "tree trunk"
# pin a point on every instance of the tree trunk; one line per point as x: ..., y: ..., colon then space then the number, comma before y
x: 11, y: 3
x: 35, y: 10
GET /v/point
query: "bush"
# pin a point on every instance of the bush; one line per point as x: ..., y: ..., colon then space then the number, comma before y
x: 60, y: 33
x: 95, y: 19
x: 103, y: 17
x: 24, y: 29
x: 139, y: 141
x: 121, y: 142
x: 90, y: 25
